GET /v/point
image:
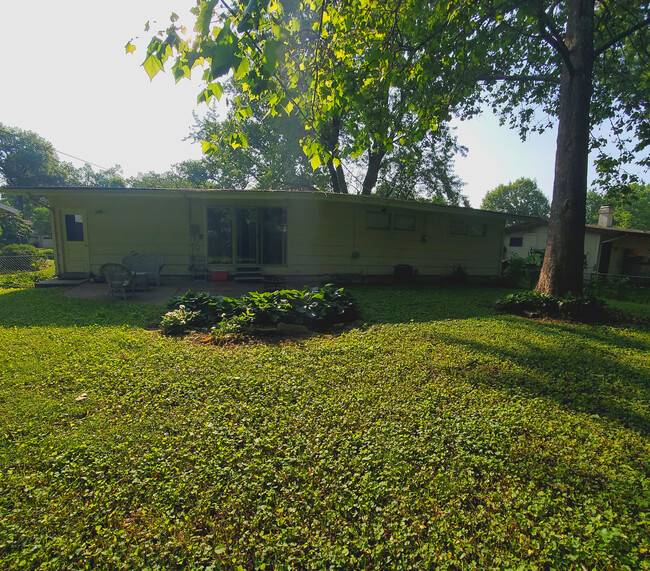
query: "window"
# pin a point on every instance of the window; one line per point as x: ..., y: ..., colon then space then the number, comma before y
x: 74, y: 228
x: 477, y: 229
x: 404, y: 222
x: 252, y: 235
x: 458, y: 227
x: 377, y: 220
x: 464, y: 228
x: 516, y: 241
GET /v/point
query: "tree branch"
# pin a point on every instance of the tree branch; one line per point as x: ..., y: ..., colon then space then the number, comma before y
x: 521, y: 78
x: 553, y: 37
x: 621, y: 36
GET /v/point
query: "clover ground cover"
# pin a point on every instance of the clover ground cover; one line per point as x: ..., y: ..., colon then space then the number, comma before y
x: 439, y: 435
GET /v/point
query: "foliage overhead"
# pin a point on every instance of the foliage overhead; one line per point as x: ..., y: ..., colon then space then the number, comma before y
x: 396, y: 71
x: 522, y: 197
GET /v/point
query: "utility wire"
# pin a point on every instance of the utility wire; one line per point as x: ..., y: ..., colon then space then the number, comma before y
x: 7, y: 132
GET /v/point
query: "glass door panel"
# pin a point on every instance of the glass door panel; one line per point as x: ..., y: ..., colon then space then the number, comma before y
x: 247, y: 236
x: 219, y: 236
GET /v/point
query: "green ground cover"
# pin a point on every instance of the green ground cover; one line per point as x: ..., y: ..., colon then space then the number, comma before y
x: 439, y: 435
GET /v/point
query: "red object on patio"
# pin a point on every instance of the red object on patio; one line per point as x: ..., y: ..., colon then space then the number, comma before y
x: 218, y: 276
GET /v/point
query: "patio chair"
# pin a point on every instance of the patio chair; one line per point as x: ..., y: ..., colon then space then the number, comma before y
x: 118, y: 277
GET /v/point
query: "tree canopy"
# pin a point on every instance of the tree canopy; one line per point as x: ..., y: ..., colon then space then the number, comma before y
x: 522, y: 197
x: 28, y: 160
x: 629, y: 212
x: 396, y: 70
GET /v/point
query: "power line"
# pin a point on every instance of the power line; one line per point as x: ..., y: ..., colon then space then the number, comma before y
x: 82, y: 160
x: 7, y: 132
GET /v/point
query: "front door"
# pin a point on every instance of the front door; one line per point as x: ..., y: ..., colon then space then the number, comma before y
x: 75, y: 242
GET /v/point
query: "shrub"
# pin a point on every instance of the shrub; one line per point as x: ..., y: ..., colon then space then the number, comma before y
x: 617, y: 288
x: 536, y: 304
x: 24, y: 258
x: 316, y: 308
x: 178, y: 321
x: 520, y: 272
x: 20, y: 250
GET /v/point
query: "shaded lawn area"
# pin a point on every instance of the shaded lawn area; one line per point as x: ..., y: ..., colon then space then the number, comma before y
x: 439, y: 435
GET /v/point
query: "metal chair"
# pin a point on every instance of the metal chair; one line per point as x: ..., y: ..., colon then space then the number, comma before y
x: 198, y: 268
x: 118, y: 277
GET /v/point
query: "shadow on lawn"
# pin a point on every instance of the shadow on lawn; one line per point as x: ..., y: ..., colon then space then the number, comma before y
x: 593, y: 374
x: 422, y: 303
x: 49, y: 307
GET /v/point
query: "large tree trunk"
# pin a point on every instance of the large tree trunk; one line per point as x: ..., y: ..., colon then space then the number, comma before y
x: 331, y: 137
x: 372, y: 173
x: 563, y: 268
x: 337, y: 177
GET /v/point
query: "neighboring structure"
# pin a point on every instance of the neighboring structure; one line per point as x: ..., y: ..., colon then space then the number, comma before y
x: 5, y: 209
x: 282, y: 233
x: 608, y: 250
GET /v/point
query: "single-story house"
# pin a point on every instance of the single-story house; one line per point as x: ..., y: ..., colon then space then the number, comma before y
x: 608, y: 250
x: 281, y: 233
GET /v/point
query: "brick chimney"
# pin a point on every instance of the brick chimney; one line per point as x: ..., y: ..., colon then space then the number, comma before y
x: 606, y: 216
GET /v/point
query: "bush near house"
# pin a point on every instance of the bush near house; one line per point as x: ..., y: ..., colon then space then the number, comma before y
x: 22, y: 265
x: 315, y: 308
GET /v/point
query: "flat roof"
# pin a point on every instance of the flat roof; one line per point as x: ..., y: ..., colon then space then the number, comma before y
x: 604, y: 230
x: 253, y: 194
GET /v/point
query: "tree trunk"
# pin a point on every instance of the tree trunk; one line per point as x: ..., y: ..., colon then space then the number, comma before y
x: 331, y: 138
x: 563, y: 268
x: 337, y: 178
x: 372, y: 174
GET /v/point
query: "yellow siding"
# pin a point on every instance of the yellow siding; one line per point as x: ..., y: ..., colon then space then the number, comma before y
x: 324, y: 236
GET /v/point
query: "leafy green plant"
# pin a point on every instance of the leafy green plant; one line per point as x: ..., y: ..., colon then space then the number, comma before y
x: 179, y: 321
x: 25, y: 279
x: 24, y: 257
x: 615, y: 287
x: 536, y: 304
x: 520, y: 272
x: 316, y: 308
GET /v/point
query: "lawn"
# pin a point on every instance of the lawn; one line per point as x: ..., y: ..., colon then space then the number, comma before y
x: 438, y: 435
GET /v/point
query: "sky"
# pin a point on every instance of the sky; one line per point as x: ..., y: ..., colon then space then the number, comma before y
x: 67, y: 77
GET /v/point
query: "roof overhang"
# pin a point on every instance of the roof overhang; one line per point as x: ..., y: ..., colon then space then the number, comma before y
x: 592, y: 228
x: 259, y: 195
x: 6, y: 209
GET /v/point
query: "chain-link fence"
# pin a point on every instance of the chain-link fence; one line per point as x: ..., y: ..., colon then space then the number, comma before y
x: 17, y: 264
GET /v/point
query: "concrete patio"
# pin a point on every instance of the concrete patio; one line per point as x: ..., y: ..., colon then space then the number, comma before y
x: 169, y: 288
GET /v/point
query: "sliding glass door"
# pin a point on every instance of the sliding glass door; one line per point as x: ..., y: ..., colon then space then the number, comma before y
x: 255, y: 236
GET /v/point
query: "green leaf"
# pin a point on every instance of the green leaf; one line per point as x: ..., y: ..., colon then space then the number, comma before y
x: 152, y: 65
x: 270, y: 56
x: 315, y: 161
x: 204, y: 20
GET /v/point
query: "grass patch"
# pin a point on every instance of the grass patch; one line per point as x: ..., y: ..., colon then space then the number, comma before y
x: 25, y: 279
x: 439, y: 435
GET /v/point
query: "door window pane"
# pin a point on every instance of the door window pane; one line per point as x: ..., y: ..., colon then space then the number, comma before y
x: 74, y: 228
